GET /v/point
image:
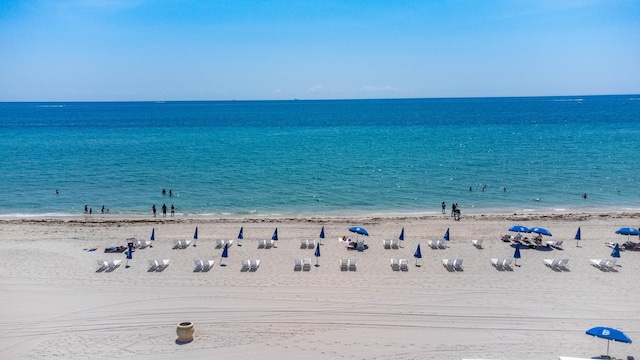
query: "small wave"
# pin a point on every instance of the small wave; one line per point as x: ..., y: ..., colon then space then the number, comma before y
x: 51, y: 106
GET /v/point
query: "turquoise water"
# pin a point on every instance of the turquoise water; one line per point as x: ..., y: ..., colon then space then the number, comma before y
x: 321, y: 157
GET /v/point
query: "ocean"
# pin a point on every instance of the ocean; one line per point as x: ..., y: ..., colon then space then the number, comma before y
x: 321, y: 158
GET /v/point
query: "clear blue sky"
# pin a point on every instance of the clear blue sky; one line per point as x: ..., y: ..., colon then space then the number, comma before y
x: 104, y: 50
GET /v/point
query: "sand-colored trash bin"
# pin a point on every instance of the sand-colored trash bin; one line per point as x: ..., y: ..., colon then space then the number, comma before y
x: 185, y: 332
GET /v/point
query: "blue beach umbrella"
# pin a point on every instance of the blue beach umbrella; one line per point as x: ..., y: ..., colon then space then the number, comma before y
x: 578, y: 237
x: 321, y: 234
x: 417, y: 254
x: 153, y: 234
x: 541, y: 231
x: 275, y: 235
x: 225, y: 253
x: 516, y: 254
x: 359, y: 231
x: 519, y: 229
x: 446, y: 235
x: 317, y: 253
x: 609, y: 334
x: 401, y: 237
x: 628, y: 231
x: 241, y: 234
x: 195, y: 236
x: 616, y: 251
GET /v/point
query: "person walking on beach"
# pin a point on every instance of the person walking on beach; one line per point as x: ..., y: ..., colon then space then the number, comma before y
x: 453, y: 208
x: 153, y: 208
x: 173, y: 210
x: 444, y: 208
x: 164, y: 210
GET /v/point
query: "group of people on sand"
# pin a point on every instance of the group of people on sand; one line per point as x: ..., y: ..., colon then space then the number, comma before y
x: 535, y: 241
x: 455, y: 210
x: 164, y: 210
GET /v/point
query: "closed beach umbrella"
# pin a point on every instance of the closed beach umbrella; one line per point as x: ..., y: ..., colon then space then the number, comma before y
x: 240, y: 235
x: 417, y: 254
x: 578, y: 237
x: 541, y: 231
x: 225, y: 253
x: 153, y: 234
x: 317, y: 253
x: 275, y: 235
x: 519, y: 229
x: 446, y: 235
x: 195, y: 236
x: 516, y: 254
x: 322, y: 232
x: 401, y: 237
x: 616, y: 251
x: 609, y: 334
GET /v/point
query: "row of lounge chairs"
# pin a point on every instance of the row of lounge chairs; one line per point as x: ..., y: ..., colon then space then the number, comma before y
x: 302, y: 264
x: 108, y: 265
x: 202, y: 265
x: 399, y: 265
x: 266, y: 243
x: 141, y: 244
x: 158, y: 265
x: 391, y: 243
x: 348, y: 264
x: 557, y: 264
x: 221, y: 243
x: 307, y: 244
x: 604, y: 264
x: 181, y: 244
x: 452, y: 264
x: 437, y: 244
x: 250, y: 265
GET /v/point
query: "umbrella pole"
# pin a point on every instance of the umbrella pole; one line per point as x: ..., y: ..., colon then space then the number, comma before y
x: 607, y: 347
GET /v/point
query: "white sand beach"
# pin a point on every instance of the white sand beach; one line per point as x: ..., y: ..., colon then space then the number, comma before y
x: 55, y: 305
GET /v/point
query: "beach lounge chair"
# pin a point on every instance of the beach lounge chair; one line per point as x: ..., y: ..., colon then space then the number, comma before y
x: 395, y: 264
x: 497, y: 263
x: 506, y: 264
x: 352, y: 264
x: 433, y: 244
x: 198, y: 265
x: 262, y: 243
x: 254, y: 265
x: 303, y: 244
x: 163, y: 264
x: 102, y: 265
x: 177, y: 244
x: 610, y: 265
x: 386, y: 244
x: 185, y: 244
x: 246, y: 265
x: 552, y: 263
x: 599, y: 263
x: 268, y: 244
x: 297, y: 263
x: 477, y: 243
x: 457, y: 264
x: 506, y: 238
x: 153, y: 265
x: 311, y: 244
x: 344, y: 264
x: 562, y: 264
x: 395, y: 243
x: 113, y: 264
x: 404, y: 264
x: 448, y: 263
x: 555, y: 244
x: 442, y: 244
x: 208, y: 265
x: 306, y: 264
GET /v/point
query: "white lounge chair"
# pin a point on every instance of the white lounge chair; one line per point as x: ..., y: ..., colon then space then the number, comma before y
x: 262, y: 243
x: 297, y: 264
x: 268, y: 244
x: 395, y: 264
x: 306, y: 264
x: 552, y: 263
x: 102, y: 265
x: 433, y: 244
x: 477, y: 243
x: 599, y: 263
x: 506, y: 263
x: 219, y: 244
x: 404, y: 264
x: 457, y: 264
x: 610, y: 264
x: 163, y: 264
x: 562, y: 264
x: 207, y: 265
x: 198, y: 265
x: 185, y: 244
x: 255, y: 264
x: 344, y: 264
x: 177, y: 244
x: 386, y: 244
x: 442, y: 244
x: 153, y: 265
x: 555, y: 244
x: 497, y: 263
x: 246, y: 265
x: 395, y: 243
x: 114, y: 264
x: 448, y: 263
x: 352, y: 264
x: 303, y: 244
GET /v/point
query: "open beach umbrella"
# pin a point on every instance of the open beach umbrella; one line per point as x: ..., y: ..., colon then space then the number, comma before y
x: 153, y: 234
x: 401, y: 237
x: 275, y: 235
x: 519, y: 229
x: 628, y: 231
x: 359, y: 231
x: 195, y: 236
x: 317, y: 253
x: 417, y: 254
x: 541, y: 231
x: 516, y: 254
x: 225, y: 253
x: 616, y: 251
x: 240, y: 235
x: 609, y: 334
x: 446, y: 235
x: 578, y: 237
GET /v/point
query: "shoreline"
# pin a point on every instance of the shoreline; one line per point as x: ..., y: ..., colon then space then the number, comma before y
x: 366, y: 218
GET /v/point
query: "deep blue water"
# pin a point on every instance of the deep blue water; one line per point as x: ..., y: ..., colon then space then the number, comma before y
x: 321, y: 157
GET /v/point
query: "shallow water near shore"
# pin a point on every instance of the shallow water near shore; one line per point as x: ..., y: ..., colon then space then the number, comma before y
x: 320, y: 158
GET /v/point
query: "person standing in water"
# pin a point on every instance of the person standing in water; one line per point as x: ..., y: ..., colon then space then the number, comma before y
x: 153, y: 208
x: 164, y: 210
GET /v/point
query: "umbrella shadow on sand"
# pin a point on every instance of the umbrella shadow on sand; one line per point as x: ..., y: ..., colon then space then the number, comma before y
x: 533, y: 247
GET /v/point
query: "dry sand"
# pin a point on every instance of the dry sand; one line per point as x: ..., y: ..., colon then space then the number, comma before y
x: 55, y: 305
